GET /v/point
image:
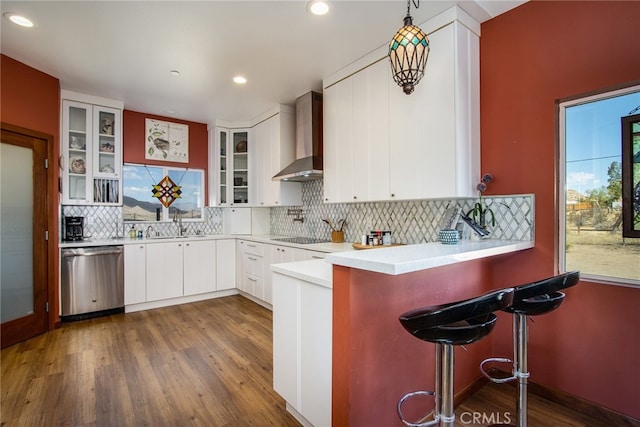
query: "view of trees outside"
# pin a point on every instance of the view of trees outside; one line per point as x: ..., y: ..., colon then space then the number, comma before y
x: 593, y: 181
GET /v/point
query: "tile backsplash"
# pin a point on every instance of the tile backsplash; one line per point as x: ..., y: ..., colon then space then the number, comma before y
x: 414, y: 221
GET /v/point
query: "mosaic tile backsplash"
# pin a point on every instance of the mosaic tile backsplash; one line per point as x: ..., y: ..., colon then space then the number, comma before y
x: 409, y: 221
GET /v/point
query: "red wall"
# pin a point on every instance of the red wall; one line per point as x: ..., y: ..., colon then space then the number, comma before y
x: 31, y: 99
x: 531, y: 57
x: 133, y: 144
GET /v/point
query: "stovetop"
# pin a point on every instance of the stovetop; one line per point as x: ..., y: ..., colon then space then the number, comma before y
x: 302, y: 240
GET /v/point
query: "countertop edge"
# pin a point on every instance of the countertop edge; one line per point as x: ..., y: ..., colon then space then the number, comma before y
x: 411, y: 258
x: 315, y: 271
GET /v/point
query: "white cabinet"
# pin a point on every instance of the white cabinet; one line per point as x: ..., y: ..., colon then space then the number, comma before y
x: 135, y: 275
x: 356, y: 131
x: 250, y: 272
x: 225, y: 264
x: 91, y: 151
x: 302, y: 334
x: 380, y: 144
x: 230, y: 158
x: 275, y: 254
x: 273, y: 142
x: 164, y: 269
x: 199, y: 259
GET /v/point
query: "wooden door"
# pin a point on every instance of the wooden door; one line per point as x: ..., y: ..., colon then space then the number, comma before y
x: 23, y: 255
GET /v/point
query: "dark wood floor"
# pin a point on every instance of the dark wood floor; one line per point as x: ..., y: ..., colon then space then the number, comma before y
x: 207, y: 363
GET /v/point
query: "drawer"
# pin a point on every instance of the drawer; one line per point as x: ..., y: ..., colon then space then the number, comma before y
x: 254, y: 285
x: 253, y: 248
x: 253, y: 264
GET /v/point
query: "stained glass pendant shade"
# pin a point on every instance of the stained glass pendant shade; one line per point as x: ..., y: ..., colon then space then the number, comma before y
x: 408, y: 53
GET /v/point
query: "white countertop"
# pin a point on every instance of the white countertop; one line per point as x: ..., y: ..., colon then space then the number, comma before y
x: 315, y: 271
x: 406, y: 259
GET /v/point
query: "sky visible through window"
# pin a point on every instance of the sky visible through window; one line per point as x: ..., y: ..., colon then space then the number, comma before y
x: 593, y: 140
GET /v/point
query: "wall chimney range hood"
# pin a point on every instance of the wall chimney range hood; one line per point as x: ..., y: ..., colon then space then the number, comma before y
x: 308, y: 163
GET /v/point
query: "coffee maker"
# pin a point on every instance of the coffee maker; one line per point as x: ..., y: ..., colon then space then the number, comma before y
x: 73, y: 228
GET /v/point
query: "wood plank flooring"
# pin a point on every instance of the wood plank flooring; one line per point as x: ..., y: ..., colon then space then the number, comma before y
x: 203, y: 364
x: 207, y: 363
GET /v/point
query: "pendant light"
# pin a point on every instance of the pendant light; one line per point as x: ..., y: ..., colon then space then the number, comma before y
x: 408, y: 53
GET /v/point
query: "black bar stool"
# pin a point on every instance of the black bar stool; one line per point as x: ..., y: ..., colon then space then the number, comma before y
x: 446, y: 325
x: 532, y: 299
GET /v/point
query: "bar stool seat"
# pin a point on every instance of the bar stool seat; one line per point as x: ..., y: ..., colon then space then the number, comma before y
x: 446, y: 325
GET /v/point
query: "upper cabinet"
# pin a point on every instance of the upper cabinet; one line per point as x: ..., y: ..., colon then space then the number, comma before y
x: 381, y: 144
x: 244, y: 160
x: 91, y: 150
x: 230, y: 166
x: 274, y: 143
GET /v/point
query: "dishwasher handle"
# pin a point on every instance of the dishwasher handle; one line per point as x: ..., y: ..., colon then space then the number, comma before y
x: 68, y: 253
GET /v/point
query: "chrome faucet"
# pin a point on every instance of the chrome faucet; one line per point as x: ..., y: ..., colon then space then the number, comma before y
x: 177, y: 217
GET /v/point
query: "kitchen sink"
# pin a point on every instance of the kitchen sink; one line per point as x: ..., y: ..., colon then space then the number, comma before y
x: 302, y: 240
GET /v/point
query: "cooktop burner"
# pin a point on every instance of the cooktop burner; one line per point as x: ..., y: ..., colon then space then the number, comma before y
x: 301, y: 240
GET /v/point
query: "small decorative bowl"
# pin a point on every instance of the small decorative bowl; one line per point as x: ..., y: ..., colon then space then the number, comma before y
x: 448, y: 237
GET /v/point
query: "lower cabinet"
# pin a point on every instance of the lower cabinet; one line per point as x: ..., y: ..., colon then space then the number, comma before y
x: 302, y: 326
x: 165, y: 267
x: 135, y: 275
x: 162, y: 270
x: 199, y: 259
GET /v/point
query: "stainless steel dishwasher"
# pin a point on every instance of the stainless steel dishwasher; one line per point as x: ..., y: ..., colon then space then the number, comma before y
x: 92, y: 281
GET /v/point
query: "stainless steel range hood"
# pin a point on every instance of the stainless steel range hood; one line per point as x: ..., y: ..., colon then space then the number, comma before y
x: 308, y: 163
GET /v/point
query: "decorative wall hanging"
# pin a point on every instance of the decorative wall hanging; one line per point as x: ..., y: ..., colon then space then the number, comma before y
x: 166, y: 141
x: 167, y: 191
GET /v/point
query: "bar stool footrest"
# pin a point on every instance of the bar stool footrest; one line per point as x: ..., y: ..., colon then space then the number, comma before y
x: 496, y: 360
x: 436, y: 419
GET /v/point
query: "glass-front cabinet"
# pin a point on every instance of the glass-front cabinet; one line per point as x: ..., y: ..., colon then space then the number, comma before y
x: 232, y: 163
x: 91, y: 158
x: 240, y: 146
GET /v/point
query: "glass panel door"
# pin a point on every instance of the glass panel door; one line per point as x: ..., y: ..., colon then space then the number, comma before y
x: 240, y: 168
x: 16, y: 232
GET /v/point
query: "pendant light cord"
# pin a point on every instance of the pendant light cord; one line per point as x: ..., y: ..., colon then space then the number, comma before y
x: 416, y: 4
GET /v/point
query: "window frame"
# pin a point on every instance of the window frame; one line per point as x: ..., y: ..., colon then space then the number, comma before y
x: 166, y: 217
x: 561, y: 190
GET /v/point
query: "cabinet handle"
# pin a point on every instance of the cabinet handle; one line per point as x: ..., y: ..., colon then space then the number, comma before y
x: 141, y: 247
x: 355, y: 197
x: 393, y: 195
x: 187, y: 244
x: 251, y: 246
x: 252, y: 259
x: 253, y: 280
x: 316, y: 257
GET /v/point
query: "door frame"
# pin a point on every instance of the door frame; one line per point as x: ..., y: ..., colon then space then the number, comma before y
x: 45, y: 249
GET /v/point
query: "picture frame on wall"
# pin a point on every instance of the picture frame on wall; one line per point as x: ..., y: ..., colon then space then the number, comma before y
x: 166, y: 141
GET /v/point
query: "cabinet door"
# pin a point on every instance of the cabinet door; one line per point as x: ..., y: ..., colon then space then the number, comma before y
x: 164, y: 270
x: 371, y: 132
x: 199, y: 267
x: 225, y: 264
x: 338, y: 143
x: 422, y: 140
x: 240, y: 192
x: 223, y: 167
x: 276, y: 255
x: 77, y: 131
x: 240, y: 245
x: 135, y: 279
x: 315, y: 353
x: 107, y: 155
x: 286, y: 367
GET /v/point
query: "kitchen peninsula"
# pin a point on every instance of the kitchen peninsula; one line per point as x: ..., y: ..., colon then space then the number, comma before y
x: 356, y: 298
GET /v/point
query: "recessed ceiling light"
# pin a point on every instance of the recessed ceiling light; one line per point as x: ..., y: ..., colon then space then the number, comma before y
x: 175, y: 73
x: 318, y: 7
x: 240, y: 80
x: 19, y: 19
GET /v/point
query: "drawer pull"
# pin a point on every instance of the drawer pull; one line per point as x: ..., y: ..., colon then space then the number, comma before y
x: 253, y: 280
x: 252, y: 259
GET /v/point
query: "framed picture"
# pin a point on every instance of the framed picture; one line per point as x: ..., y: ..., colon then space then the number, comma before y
x: 631, y: 176
x: 166, y: 141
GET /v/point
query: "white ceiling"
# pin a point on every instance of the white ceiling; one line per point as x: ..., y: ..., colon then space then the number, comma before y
x: 125, y: 50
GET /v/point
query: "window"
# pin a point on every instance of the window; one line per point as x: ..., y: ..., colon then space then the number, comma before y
x: 139, y: 203
x: 591, y: 233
